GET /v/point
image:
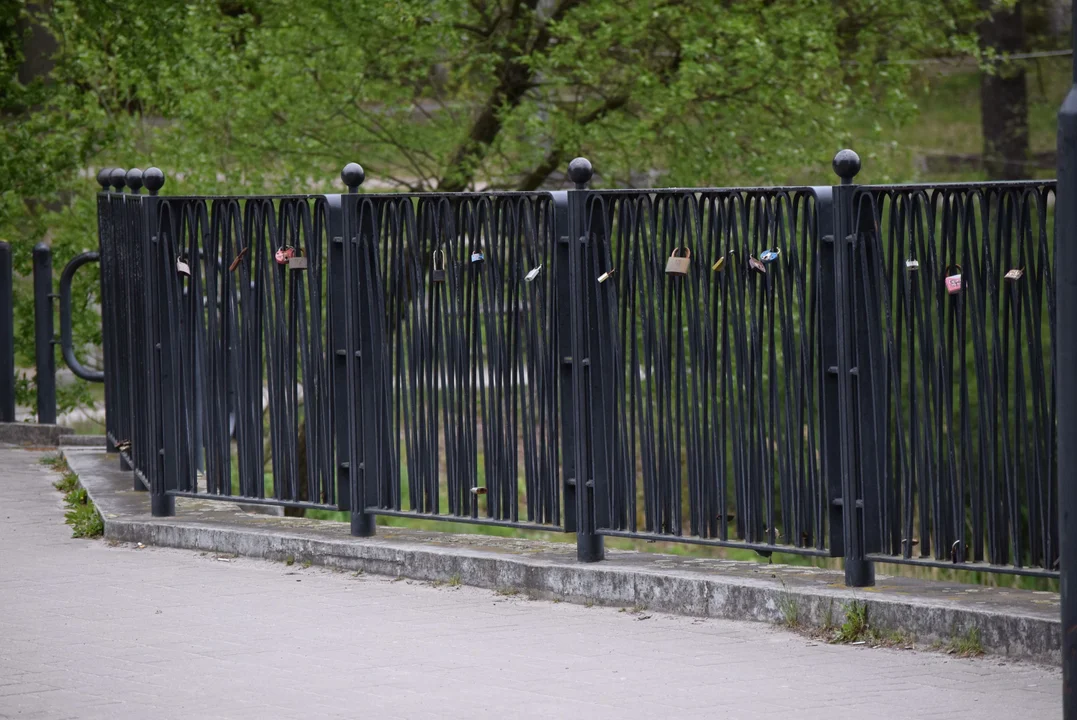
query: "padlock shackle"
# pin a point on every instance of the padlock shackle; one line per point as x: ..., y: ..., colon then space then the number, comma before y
x: 687, y: 252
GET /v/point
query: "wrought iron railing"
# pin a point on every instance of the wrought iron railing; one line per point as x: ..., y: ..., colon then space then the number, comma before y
x: 779, y: 369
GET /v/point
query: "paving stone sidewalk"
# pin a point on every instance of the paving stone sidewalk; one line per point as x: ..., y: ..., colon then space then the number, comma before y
x: 93, y: 631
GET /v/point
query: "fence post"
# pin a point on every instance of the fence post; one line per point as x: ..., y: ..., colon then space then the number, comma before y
x: 1066, y: 384
x: 150, y: 243
x: 574, y: 342
x: 837, y: 281
x: 108, y: 321
x: 7, y: 337
x: 44, y: 357
x: 359, y: 343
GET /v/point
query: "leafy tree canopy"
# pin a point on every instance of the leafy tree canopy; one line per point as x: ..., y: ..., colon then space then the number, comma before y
x: 276, y: 95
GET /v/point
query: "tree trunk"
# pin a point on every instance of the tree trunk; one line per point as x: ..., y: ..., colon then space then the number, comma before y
x: 1004, y: 98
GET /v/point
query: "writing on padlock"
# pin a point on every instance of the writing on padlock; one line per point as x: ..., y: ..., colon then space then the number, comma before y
x: 182, y: 267
x: 284, y: 254
x: 437, y: 266
x: 529, y: 277
x: 953, y: 282
x: 679, y: 264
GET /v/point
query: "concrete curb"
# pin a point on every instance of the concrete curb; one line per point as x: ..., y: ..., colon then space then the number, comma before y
x: 32, y: 434
x: 1015, y: 623
x: 94, y: 441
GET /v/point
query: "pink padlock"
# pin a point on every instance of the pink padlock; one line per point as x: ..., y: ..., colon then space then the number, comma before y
x: 284, y: 254
x: 953, y: 282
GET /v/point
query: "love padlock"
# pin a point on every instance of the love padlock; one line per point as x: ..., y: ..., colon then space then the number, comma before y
x: 437, y: 274
x: 679, y: 265
x: 534, y: 273
x: 182, y: 267
x: 1014, y: 274
x: 953, y: 282
x: 284, y: 254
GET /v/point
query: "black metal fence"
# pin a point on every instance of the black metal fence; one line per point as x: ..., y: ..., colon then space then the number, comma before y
x: 853, y: 371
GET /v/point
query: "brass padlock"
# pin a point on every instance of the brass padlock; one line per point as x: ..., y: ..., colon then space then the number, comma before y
x: 297, y: 261
x: 437, y: 274
x: 679, y: 265
x: 953, y: 282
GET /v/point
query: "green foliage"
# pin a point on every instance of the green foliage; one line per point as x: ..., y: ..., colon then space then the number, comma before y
x: 276, y: 95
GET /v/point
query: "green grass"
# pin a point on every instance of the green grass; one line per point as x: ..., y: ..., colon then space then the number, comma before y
x: 855, y: 627
x: 81, y: 513
x: 967, y: 645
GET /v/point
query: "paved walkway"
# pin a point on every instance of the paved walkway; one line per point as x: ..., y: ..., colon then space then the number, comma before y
x: 92, y: 631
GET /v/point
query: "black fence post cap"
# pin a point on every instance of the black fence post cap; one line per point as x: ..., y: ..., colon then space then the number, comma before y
x: 104, y: 178
x: 134, y: 179
x: 580, y: 172
x: 846, y: 164
x: 353, y: 176
x: 119, y: 178
x: 154, y: 180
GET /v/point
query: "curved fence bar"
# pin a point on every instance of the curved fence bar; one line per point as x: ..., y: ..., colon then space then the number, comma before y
x: 66, y: 345
x: 957, y: 286
x: 706, y: 373
x: 455, y: 335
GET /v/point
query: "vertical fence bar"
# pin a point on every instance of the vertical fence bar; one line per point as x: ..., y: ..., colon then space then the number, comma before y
x: 579, y: 486
x: 1066, y: 384
x: 7, y: 337
x: 858, y: 571
x: 44, y: 358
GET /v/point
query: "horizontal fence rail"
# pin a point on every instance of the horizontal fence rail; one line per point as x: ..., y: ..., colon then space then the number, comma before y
x: 864, y: 372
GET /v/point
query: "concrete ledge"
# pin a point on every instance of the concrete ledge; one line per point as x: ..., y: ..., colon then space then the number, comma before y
x: 32, y: 434
x: 1016, y: 623
x: 94, y: 441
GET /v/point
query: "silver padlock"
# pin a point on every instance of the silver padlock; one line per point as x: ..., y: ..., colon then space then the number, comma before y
x: 912, y: 264
x: 529, y: 277
x: 477, y: 257
x: 1015, y: 274
x: 606, y: 275
x: 182, y: 267
x: 437, y: 273
x: 297, y: 262
x: 679, y: 265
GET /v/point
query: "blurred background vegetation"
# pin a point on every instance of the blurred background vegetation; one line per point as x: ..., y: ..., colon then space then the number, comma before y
x: 252, y: 96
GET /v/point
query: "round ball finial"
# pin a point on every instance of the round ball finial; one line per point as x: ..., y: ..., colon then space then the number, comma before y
x: 153, y: 179
x: 846, y: 165
x: 104, y: 178
x: 580, y: 172
x: 353, y: 176
x: 134, y: 179
x: 119, y: 178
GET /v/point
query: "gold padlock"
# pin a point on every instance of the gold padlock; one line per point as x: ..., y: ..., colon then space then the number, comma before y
x: 679, y: 265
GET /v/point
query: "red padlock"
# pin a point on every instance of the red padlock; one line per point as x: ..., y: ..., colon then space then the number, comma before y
x: 953, y: 282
